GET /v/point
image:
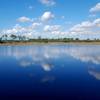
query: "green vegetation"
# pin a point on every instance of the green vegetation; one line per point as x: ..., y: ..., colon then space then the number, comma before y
x: 17, y: 38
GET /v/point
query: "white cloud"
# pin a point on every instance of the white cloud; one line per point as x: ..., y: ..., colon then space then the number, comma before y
x: 35, y: 25
x: 96, y: 8
x: 86, y: 27
x: 19, y: 30
x: 48, y: 2
x: 82, y: 27
x: 16, y: 29
x: 97, y: 22
x: 50, y: 28
x: 47, y: 16
x: 53, y: 30
x: 24, y: 19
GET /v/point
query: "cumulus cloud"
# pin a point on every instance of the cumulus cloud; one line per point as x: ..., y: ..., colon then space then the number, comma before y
x: 48, y: 2
x: 47, y: 16
x: 16, y: 29
x: 24, y: 19
x: 82, y: 26
x: 35, y: 25
x: 96, y: 8
x: 19, y: 30
x: 13, y: 30
x: 50, y: 28
x: 54, y: 30
x: 86, y: 27
x: 97, y: 22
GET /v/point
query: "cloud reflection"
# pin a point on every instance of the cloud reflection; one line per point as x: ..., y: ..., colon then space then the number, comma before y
x: 47, y: 67
x: 45, y: 55
x: 25, y: 63
x: 95, y: 74
x: 86, y: 54
x: 47, y: 79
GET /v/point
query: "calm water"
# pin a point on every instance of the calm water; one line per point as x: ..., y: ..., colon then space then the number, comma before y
x: 50, y: 71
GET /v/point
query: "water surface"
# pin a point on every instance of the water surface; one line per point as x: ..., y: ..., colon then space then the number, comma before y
x: 50, y: 71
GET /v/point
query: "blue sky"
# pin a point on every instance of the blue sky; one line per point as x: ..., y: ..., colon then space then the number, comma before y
x: 55, y: 18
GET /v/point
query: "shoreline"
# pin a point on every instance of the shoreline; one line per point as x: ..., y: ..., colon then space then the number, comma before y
x: 42, y: 43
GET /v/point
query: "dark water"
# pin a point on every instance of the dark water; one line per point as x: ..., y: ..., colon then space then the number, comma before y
x: 69, y: 72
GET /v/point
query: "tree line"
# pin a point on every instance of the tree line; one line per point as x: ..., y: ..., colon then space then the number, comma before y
x: 13, y: 37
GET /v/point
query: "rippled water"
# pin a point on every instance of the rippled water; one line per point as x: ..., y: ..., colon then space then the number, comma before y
x: 50, y: 71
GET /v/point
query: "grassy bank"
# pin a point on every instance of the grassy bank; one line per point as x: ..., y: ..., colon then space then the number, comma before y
x: 48, y: 42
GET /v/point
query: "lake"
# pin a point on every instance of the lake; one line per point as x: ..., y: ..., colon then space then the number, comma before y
x: 64, y: 71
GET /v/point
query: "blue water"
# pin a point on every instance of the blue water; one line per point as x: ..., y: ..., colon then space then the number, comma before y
x: 69, y: 72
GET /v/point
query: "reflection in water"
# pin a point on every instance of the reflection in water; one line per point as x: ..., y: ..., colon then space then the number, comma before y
x: 31, y: 55
x: 86, y: 53
x: 95, y: 74
x: 40, y: 54
x: 47, y: 67
x: 47, y: 79
x: 49, y: 70
x: 25, y: 63
x: 44, y: 55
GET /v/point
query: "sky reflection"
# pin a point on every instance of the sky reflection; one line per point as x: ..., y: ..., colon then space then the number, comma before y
x: 46, y: 70
x: 43, y: 53
x: 46, y: 55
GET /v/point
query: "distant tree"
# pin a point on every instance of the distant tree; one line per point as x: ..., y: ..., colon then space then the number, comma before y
x: 71, y: 39
x: 64, y: 38
x: 0, y: 39
x: 98, y: 39
x: 23, y: 38
x: 13, y: 36
x: 39, y: 37
x: 20, y: 38
x: 4, y: 37
x: 77, y: 39
x: 88, y: 39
